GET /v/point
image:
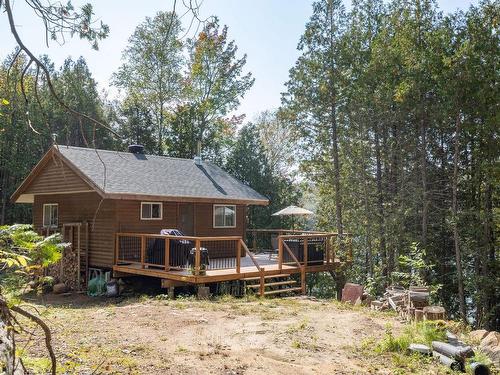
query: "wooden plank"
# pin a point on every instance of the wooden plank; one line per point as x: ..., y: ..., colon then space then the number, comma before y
x: 288, y: 282
x: 267, y: 277
x: 281, y: 291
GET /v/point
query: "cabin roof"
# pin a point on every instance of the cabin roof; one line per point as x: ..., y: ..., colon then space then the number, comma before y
x: 125, y: 175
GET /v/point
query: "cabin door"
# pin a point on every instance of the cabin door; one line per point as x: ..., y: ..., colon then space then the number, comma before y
x: 186, y: 218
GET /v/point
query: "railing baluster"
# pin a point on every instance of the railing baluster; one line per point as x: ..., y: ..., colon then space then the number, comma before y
x: 280, y: 253
x: 197, y: 258
x: 117, y: 248
x: 143, y: 250
x: 305, y: 251
x: 167, y: 254
x: 238, y: 256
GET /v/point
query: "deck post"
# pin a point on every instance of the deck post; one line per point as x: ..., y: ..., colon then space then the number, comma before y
x: 305, y: 251
x: 280, y: 253
x: 238, y: 256
x: 167, y: 254
x: 197, y: 258
x: 261, y: 287
x: 143, y: 250
x: 303, y: 279
x: 117, y: 248
x: 327, y: 249
x: 79, y: 275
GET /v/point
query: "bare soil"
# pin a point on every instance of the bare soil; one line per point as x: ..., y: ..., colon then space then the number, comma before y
x: 227, y: 336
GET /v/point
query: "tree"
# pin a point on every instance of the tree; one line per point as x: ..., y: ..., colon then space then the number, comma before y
x: 313, y: 94
x: 248, y: 161
x: 213, y: 87
x: 151, y: 73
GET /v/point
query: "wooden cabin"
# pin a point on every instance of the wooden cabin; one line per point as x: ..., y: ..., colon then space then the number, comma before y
x: 114, y: 205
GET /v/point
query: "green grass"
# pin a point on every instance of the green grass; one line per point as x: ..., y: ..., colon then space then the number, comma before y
x: 418, y: 333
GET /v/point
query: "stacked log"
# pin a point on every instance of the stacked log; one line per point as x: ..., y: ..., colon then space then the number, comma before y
x: 66, y: 270
x: 411, y: 304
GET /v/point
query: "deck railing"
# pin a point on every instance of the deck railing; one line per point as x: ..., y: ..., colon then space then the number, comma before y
x: 266, y: 240
x: 181, y: 252
x: 314, y: 249
x: 198, y: 254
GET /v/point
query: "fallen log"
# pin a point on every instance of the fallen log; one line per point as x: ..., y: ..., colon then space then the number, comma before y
x: 449, y: 362
x: 456, y: 352
x: 479, y: 369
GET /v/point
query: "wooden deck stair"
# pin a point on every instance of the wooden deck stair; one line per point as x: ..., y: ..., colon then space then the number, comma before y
x: 273, y: 284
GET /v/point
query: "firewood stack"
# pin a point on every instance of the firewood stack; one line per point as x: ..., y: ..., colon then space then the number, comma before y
x: 411, y: 304
x: 66, y: 270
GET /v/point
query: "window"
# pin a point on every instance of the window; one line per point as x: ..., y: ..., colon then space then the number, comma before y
x: 224, y: 216
x: 50, y: 215
x: 151, y: 211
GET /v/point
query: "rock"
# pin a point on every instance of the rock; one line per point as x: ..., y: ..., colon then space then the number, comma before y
x: 352, y: 293
x: 60, y: 288
x: 421, y: 349
x: 490, y: 345
x: 478, y: 334
x: 367, y: 299
x: 203, y: 292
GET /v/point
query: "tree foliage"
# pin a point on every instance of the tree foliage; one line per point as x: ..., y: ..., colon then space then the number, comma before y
x: 387, y: 84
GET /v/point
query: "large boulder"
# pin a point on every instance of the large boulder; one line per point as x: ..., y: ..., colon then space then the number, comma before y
x: 490, y: 345
x: 60, y: 288
x: 478, y: 335
x: 352, y: 293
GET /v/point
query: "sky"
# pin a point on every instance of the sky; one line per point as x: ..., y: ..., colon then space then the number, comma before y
x: 266, y: 30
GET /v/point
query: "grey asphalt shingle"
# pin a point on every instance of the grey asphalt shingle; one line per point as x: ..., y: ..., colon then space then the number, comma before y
x: 127, y: 173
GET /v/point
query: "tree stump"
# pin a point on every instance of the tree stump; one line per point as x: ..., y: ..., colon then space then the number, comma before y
x: 434, y: 313
x: 419, y: 315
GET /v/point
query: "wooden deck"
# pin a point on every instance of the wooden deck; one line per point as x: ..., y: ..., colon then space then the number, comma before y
x: 200, y: 260
x: 269, y: 267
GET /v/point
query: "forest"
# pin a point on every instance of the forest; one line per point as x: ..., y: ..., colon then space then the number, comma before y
x: 388, y: 128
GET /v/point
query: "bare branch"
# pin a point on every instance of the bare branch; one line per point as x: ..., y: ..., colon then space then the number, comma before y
x: 47, y: 74
x: 41, y: 323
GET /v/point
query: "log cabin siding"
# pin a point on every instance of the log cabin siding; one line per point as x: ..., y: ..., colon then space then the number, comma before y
x: 82, y: 207
x: 129, y: 217
x: 56, y: 177
x: 204, y: 221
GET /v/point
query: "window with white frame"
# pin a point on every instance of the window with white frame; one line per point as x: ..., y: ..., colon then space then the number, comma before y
x: 224, y: 216
x: 50, y: 215
x: 151, y: 210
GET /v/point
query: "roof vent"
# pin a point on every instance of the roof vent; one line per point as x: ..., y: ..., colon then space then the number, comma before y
x: 136, y: 149
x: 197, y: 160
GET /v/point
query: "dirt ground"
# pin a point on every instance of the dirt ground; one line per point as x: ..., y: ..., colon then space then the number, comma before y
x: 151, y: 335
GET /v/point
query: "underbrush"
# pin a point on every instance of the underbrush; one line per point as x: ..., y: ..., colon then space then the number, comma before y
x: 404, y: 361
x: 419, y: 333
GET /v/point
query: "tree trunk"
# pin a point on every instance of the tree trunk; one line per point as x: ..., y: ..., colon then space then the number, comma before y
x: 456, y: 238
x: 425, y: 199
x: 380, y: 204
x: 9, y: 365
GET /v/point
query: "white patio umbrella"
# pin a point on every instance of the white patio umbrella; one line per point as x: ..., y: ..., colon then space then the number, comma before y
x: 293, y: 211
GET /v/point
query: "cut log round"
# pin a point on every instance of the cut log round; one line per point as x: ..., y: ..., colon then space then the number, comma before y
x: 434, y: 313
x: 419, y: 315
